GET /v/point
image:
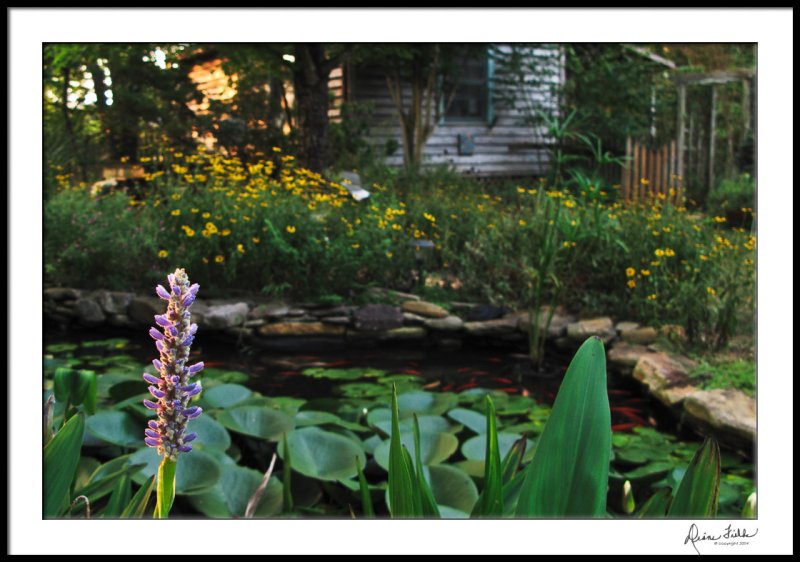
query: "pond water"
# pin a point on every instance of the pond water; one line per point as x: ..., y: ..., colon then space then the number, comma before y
x: 649, y: 446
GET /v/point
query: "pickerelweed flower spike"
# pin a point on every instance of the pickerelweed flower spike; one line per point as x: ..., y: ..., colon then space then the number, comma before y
x: 172, y: 389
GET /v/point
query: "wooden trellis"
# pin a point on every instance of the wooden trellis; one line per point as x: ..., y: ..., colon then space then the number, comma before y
x: 651, y: 173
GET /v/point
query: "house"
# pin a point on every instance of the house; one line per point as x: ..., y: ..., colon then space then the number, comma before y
x: 485, y: 124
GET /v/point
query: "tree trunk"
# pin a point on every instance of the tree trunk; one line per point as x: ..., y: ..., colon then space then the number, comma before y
x: 311, y: 99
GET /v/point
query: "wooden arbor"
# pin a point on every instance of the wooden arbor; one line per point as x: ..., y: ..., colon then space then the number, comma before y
x: 712, y: 79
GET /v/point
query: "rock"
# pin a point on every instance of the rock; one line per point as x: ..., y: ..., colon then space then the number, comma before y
x: 601, y: 327
x: 332, y: 311
x: 624, y: 326
x: 68, y: 311
x: 61, y: 293
x: 413, y: 319
x: 643, y: 336
x: 404, y: 333
x: 625, y: 355
x: 378, y: 317
x: 297, y: 329
x: 300, y: 344
x: 120, y: 321
x: 666, y: 376
x: 462, y: 306
x: 558, y: 323
x: 448, y: 324
x: 89, y: 312
x: 114, y: 302
x: 485, y: 312
x: 390, y: 295
x: 337, y: 320
x: 142, y: 310
x: 427, y: 309
x: 239, y: 332
x: 254, y: 323
x: 223, y: 316
x: 296, y: 312
x: 270, y: 311
x: 729, y: 411
x: 505, y: 325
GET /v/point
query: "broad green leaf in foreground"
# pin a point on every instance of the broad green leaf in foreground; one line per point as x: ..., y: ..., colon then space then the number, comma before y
x: 698, y: 493
x: 568, y: 476
x: 61, y: 456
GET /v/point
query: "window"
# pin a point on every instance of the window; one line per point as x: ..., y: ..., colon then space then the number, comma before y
x: 467, y: 95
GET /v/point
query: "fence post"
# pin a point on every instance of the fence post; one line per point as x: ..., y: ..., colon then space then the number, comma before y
x: 626, y: 171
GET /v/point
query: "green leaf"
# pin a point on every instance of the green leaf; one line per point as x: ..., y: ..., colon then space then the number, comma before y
x: 138, y: 504
x: 425, y: 403
x: 656, y: 505
x: 474, y: 448
x: 257, y: 421
x: 226, y: 395
x: 366, y: 498
x: 513, y: 459
x: 103, y: 483
x: 288, y: 500
x: 698, y: 493
x: 72, y: 385
x: 229, y: 496
x: 210, y: 434
x: 427, y: 424
x: 423, y: 491
x: 117, y: 428
x: 90, y: 400
x: 120, y: 497
x: 61, y: 456
x: 452, y: 487
x: 221, y: 376
x: 490, y: 502
x: 323, y: 455
x: 749, y: 509
x: 435, y: 448
x: 475, y: 421
x: 401, y: 484
x: 568, y: 476
x: 165, y: 488
x: 628, y: 501
x: 198, y: 470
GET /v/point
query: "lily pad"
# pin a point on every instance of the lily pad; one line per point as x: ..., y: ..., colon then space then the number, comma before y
x: 226, y: 395
x: 476, y: 421
x: 427, y: 424
x: 452, y: 487
x: 323, y: 455
x: 60, y: 347
x: 475, y: 447
x: 117, y: 428
x: 230, y: 495
x: 343, y: 374
x: 210, y: 433
x: 425, y: 403
x: 476, y: 398
x: 197, y: 471
x: 112, y: 343
x: 311, y: 417
x: 434, y: 447
x: 223, y: 376
x: 257, y: 421
x: 363, y: 390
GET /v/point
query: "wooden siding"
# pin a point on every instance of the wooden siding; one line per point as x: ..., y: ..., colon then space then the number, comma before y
x: 507, y: 146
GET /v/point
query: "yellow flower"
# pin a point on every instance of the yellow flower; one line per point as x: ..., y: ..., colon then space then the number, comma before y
x: 256, y: 239
x: 631, y: 283
x: 711, y: 291
x: 290, y: 229
x: 145, y: 159
x: 175, y: 212
x: 522, y: 222
x: 389, y: 255
x: 211, y: 227
x: 644, y: 181
x: 703, y: 257
x: 225, y: 232
x: 396, y: 226
x: 630, y: 272
x: 429, y: 216
x: 720, y: 219
x: 569, y: 203
x: 659, y: 253
x: 240, y: 248
x: 188, y: 230
x: 651, y: 297
x: 669, y: 252
x: 195, y: 210
x: 520, y: 190
x: 206, y: 215
x: 163, y: 254
x: 219, y: 259
x: 645, y: 272
x: 355, y: 246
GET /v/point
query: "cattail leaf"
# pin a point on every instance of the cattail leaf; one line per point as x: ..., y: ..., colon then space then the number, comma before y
x: 568, y: 475
x: 101, y: 486
x: 90, y: 399
x: 120, y: 497
x: 424, y: 496
x: 513, y: 459
x: 401, y: 487
x: 656, y: 505
x: 490, y: 502
x: 288, y: 501
x: 698, y: 492
x: 61, y: 457
x: 366, y: 498
x: 138, y: 505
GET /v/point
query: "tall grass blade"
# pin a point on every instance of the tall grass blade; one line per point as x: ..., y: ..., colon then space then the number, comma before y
x: 61, y: 456
x: 698, y: 493
x: 490, y: 502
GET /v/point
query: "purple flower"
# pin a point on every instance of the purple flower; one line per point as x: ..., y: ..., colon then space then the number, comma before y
x: 171, y: 387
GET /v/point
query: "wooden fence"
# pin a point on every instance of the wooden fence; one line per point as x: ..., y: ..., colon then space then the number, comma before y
x: 651, y: 173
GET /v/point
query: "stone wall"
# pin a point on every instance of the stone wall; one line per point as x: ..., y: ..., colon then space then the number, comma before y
x: 632, y: 349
